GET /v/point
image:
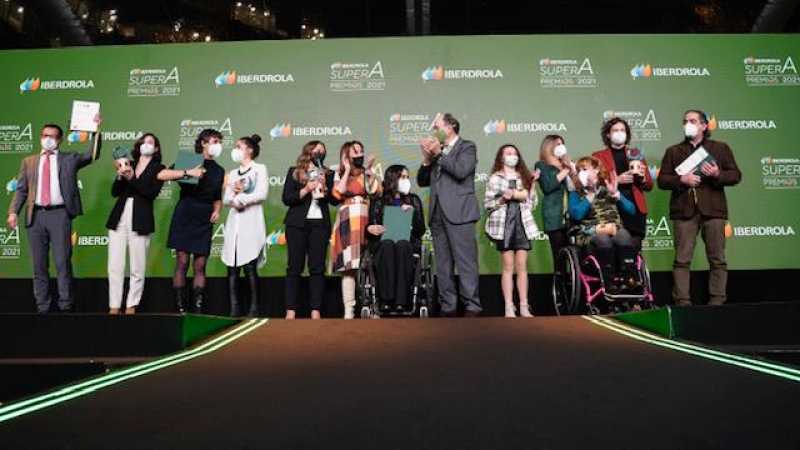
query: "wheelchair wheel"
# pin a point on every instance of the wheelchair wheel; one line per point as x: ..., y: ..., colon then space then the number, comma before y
x: 644, y: 277
x: 567, y: 281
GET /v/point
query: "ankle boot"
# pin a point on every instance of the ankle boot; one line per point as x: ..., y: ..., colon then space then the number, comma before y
x: 252, y: 279
x: 199, y: 296
x: 511, y: 311
x: 609, y: 283
x: 525, y: 309
x: 232, y: 292
x: 180, y: 299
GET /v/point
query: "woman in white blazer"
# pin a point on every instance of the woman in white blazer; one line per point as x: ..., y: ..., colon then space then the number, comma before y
x: 245, y: 232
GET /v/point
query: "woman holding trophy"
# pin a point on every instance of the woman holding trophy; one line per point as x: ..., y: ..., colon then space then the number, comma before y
x: 245, y: 232
x: 308, y: 225
x: 632, y: 175
x: 139, y: 176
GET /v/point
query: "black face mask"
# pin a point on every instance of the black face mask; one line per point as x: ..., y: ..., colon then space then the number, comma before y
x: 358, y: 161
x: 318, y: 159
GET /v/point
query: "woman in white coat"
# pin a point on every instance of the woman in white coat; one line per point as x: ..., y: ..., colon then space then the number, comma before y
x: 245, y: 232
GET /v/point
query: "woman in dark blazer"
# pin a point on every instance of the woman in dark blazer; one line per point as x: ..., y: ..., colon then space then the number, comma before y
x: 308, y: 225
x: 131, y: 221
x: 394, y: 259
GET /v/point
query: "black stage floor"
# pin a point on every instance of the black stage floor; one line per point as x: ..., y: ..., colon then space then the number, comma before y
x: 486, y: 383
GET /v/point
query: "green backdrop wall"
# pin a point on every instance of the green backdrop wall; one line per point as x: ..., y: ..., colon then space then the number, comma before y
x: 385, y: 92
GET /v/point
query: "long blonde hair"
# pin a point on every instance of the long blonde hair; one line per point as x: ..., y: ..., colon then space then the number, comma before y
x: 547, y: 146
x: 306, y: 155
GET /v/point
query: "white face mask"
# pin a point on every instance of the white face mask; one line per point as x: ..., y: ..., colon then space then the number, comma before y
x: 237, y: 155
x: 583, y: 175
x: 618, y: 138
x: 49, y: 143
x: 690, y: 130
x: 560, y: 151
x: 214, y: 150
x: 511, y: 160
x: 404, y: 186
x: 147, y: 149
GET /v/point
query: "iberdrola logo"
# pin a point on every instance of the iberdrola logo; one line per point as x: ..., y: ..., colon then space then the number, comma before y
x: 78, y: 136
x: 641, y: 70
x: 494, y: 127
x: 712, y: 123
x: 11, y: 186
x: 433, y: 73
x: 226, y: 78
x: 280, y: 131
x: 31, y: 84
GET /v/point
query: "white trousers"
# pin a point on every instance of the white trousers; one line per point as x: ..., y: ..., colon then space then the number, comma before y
x: 119, y: 241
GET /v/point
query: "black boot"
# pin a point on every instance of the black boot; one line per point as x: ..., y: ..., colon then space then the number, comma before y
x: 180, y: 299
x: 199, y: 296
x: 611, y: 286
x: 233, y: 276
x: 251, y: 272
x: 630, y: 277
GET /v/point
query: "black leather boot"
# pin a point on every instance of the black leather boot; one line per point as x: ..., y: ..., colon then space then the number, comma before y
x: 611, y: 286
x: 199, y: 297
x: 180, y: 299
x: 630, y: 277
x: 233, y: 276
x: 251, y: 272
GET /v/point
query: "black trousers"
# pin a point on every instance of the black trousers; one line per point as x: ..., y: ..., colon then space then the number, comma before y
x: 311, y: 241
x: 615, y: 254
x: 558, y: 240
x: 394, y: 267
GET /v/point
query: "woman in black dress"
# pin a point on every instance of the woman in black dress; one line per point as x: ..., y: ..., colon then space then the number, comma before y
x: 394, y: 262
x: 196, y: 212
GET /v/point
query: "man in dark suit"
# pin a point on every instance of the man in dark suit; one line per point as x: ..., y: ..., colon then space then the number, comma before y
x: 449, y: 169
x: 698, y: 204
x: 48, y: 189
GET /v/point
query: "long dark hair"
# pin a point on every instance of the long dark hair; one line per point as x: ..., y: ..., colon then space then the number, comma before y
x: 390, y: 179
x: 137, y: 153
x: 344, y: 152
x: 306, y: 154
x: 522, y: 168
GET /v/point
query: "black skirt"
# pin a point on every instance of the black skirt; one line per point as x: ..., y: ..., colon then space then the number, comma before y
x: 191, y: 227
x: 514, y: 237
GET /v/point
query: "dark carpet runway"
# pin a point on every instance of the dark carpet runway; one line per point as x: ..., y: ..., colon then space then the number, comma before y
x: 488, y: 383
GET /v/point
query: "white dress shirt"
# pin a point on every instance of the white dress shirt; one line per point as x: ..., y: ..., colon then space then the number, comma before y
x: 55, y: 187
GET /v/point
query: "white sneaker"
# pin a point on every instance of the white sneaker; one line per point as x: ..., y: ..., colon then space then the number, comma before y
x: 511, y: 312
x: 349, y: 313
x: 525, y: 310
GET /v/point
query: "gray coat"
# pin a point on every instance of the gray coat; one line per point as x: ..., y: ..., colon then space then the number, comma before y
x: 68, y: 166
x: 452, y: 181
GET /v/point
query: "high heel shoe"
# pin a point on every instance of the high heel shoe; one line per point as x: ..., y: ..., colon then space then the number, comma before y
x: 525, y: 310
x: 315, y: 314
x: 290, y: 314
x: 511, y: 312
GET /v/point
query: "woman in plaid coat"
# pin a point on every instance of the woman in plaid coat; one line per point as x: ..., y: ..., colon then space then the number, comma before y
x: 353, y: 182
x: 510, y: 200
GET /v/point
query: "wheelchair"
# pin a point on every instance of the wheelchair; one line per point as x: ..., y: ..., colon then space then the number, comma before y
x: 579, y: 287
x: 422, y: 290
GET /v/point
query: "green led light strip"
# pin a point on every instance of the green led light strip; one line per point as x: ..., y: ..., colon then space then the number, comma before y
x: 727, y: 358
x: 87, y: 387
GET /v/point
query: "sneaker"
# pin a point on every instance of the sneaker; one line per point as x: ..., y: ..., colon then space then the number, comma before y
x: 349, y: 313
